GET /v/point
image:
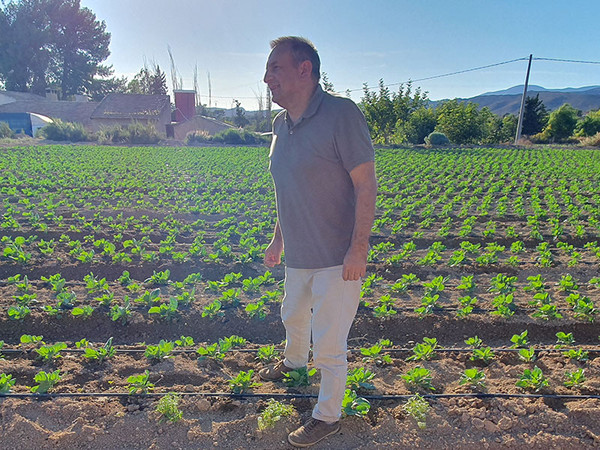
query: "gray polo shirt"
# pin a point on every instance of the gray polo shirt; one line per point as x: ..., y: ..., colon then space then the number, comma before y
x: 310, y: 162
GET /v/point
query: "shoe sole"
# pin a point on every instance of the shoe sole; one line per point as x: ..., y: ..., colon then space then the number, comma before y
x: 300, y: 445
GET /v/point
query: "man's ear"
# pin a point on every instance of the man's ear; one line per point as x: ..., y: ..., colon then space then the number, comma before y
x: 306, y: 69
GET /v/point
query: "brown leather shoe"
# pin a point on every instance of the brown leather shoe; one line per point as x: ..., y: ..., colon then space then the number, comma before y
x: 275, y: 372
x: 312, y: 432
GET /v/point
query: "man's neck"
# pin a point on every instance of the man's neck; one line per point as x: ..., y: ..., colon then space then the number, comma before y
x: 296, y: 110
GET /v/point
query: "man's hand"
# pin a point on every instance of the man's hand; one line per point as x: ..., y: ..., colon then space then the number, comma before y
x: 355, y: 265
x: 273, y: 254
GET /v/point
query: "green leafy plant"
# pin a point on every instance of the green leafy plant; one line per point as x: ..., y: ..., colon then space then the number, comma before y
x: 374, y: 353
x: 484, y: 354
x: 577, y: 354
x: 527, y: 354
x: 564, y: 339
x: 167, y: 311
x: 532, y: 379
x: 168, y: 407
x: 418, y: 378
x: 160, y: 351
x: 424, y: 351
x: 140, y: 383
x: 18, y: 312
x: 46, y: 381
x: 359, y: 378
x: 6, y: 383
x: 122, y: 313
x: 353, y: 405
x: 84, y: 311
x: 520, y: 340
x: 257, y: 310
x: 49, y: 352
x: 298, y: 377
x: 213, y: 310
x: 417, y: 408
x: 185, y: 341
x: 267, y: 354
x: 214, y: 351
x: 575, y: 378
x: 474, y: 378
x: 242, y: 382
x: 100, y: 354
x: 474, y: 342
x: 274, y: 412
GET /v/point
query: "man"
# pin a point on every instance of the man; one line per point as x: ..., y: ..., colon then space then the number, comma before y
x: 322, y: 163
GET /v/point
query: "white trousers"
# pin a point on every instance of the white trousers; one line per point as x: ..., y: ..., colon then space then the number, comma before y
x: 321, y: 302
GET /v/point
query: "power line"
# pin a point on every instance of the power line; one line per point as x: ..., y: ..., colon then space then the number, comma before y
x: 567, y: 60
x: 449, y: 74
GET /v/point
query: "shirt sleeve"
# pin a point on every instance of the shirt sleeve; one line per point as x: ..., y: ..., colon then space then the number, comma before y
x: 352, y: 138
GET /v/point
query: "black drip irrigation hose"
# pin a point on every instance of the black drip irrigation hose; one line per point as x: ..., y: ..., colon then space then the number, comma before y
x: 289, y: 395
x: 351, y: 350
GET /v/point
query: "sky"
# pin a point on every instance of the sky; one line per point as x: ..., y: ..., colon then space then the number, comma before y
x: 358, y: 42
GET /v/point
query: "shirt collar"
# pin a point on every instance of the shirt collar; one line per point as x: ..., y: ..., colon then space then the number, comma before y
x: 313, y: 105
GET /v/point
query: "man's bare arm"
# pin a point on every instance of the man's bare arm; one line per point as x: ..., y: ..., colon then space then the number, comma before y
x: 365, y: 193
x: 275, y: 248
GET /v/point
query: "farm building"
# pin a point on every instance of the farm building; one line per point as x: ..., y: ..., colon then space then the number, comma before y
x: 123, y: 109
x: 26, y: 123
x: 186, y: 119
x: 117, y: 109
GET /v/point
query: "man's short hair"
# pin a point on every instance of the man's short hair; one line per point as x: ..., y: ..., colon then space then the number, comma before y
x: 302, y: 50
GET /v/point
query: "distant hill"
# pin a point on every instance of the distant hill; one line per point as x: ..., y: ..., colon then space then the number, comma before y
x: 509, y: 100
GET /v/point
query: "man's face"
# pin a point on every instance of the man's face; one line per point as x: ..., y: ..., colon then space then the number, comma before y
x: 282, y: 76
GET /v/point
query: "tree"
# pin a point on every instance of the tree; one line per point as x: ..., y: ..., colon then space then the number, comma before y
x: 589, y: 125
x: 535, y: 116
x: 496, y: 129
x: 151, y: 81
x: 461, y: 122
x: 240, y: 119
x: 388, y: 114
x: 51, y: 41
x: 105, y: 83
x: 561, y: 123
x: 327, y: 85
x: 420, y: 124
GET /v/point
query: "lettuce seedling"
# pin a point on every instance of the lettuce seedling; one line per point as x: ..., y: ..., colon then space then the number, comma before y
x: 417, y: 407
x: 18, y: 312
x: 257, y: 310
x: 298, y: 377
x: 424, y: 351
x: 272, y: 413
x: 102, y: 353
x: 267, y: 354
x: 359, y: 378
x: 46, y: 381
x: 161, y: 351
x: 418, y: 377
x: 166, y: 311
x: 520, y: 340
x: 168, y: 407
x: 573, y: 379
x: 373, y: 353
x: 242, y: 382
x: 533, y: 379
x: 140, y: 383
x: 6, y: 383
x: 213, y: 310
x: 527, y: 355
x: 185, y: 341
x: 353, y: 405
x: 473, y: 377
x: 49, y: 352
x: 564, y: 339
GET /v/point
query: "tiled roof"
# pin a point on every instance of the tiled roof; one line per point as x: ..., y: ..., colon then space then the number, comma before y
x: 131, y: 106
x: 66, y: 111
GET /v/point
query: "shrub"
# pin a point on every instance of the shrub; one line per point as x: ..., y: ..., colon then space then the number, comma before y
x: 589, y: 125
x: 65, y: 131
x: 134, y: 133
x: 237, y: 136
x: 592, y: 141
x: 197, y: 136
x: 436, y: 138
x: 561, y: 123
x: 5, y: 131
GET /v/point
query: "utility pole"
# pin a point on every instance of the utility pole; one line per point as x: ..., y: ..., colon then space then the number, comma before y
x: 522, y: 110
